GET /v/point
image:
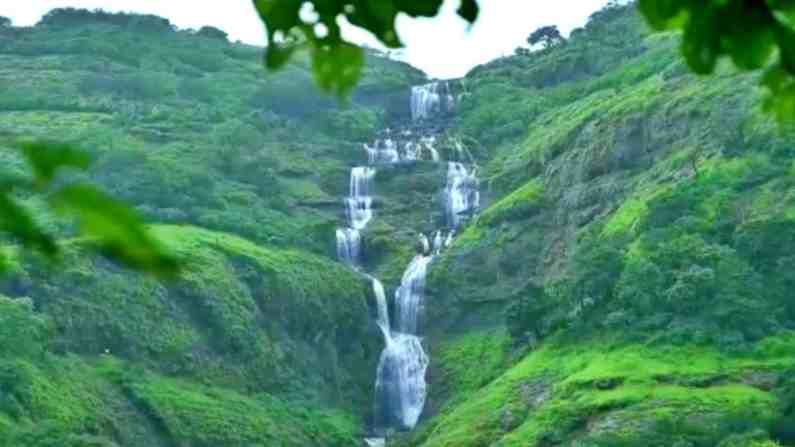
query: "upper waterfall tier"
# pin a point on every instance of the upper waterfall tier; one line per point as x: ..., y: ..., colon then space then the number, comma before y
x: 431, y: 100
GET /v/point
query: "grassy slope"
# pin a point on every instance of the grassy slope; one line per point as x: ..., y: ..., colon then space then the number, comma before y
x: 264, y: 340
x: 192, y: 130
x: 269, y: 333
x: 639, y: 238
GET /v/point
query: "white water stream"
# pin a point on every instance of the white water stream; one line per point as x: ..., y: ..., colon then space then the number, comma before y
x: 400, y: 387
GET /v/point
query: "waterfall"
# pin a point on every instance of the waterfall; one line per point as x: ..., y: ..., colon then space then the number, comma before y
x: 383, y: 309
x: 429, y: 144
x: 359, y: 203
x: 382, y: 151
x: 462, y: 197
x: 449, y: 240
x: 358, y: 209
x: 438, y: 243
x: 431, y: 99
x: 400, y: 387
x: 349, y: 246
x: 408, y: 297
x: 424, y: 244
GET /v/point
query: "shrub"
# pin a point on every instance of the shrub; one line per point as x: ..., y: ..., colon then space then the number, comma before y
x: 212, y: 33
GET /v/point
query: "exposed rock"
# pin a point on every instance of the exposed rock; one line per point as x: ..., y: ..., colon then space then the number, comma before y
x: 763, y: 380
x: 609, y: 383
x: 536, y: 392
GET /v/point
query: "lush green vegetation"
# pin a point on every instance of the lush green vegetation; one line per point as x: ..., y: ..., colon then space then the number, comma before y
x: 637, y: 249
x: 627, y: 284
x: 262, y: 339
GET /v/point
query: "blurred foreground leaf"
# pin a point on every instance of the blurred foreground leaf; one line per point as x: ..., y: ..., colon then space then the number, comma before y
x: 115, y: 228
x: 17, y: 222
x: 315, y: 24
x: 110, y: 226
x: 749, y: 32
x: 46, y: 158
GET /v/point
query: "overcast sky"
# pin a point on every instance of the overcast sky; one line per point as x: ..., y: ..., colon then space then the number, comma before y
x: 443, y: 47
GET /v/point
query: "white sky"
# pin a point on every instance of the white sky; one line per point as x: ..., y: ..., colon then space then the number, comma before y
x: 443, y: 47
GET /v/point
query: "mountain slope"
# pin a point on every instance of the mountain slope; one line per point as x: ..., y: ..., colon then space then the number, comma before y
x: 629, y: 283
x: 262, y: 341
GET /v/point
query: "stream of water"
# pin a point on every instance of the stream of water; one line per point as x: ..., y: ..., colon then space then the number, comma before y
x: 400, y: 386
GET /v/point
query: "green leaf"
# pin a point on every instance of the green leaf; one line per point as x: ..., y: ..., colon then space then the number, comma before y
x: 115, y: 228
x: 469, y: 10
x: 16, y: 221
x: 780, y: 98
x: 785, y: 38
x: 46, y: 158
x: 338, y: 63
x: 662, y: 14
x: 277, y: 55
x: 701, y: 41
x: 338, y: 67
x: 748, y: 35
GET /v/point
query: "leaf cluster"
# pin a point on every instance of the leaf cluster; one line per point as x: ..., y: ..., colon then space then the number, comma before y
x: 105, y: 224
x: 315, y: 25
x: 750, y: 32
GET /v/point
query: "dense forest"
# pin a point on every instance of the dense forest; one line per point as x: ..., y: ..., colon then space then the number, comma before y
x: 625, y: 279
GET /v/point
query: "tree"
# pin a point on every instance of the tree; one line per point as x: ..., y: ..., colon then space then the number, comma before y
x: 5, y: 22
x: 524, y: 318
x: 547, y: 36
x: 213, y: 33
x: 522, y: 51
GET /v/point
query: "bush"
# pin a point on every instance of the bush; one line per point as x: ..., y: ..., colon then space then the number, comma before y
x: 212, y: 33
x: 355, y: 124
x: 22, y: 332
x: 65, y: 17
x: 142, y: 86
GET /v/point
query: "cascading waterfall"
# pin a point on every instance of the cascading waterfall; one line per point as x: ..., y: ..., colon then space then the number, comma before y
x: 382, y: 151
x: 358, y: 208
x: 408, y: 297
x: 438, y: 243
x: 349, y: 246
x: 400, y: 384
x: 462, y: 197
x: 431, y: 99
x: 400, y: 387
x: 382, y: 307
x: 359, y: 204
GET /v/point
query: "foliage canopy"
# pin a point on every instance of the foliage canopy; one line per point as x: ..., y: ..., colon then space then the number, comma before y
x: 750, y: 32
x: 337, y: 62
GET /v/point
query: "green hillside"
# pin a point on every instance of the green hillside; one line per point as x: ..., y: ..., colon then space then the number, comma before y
x: 627, y: 281
x: 635, y: 259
